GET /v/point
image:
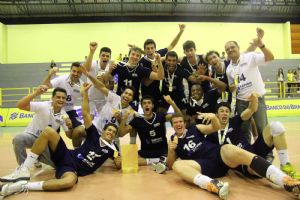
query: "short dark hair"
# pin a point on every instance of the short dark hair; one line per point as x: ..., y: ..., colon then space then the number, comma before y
x: 135, y: 49
x: 110, y: 124
x: 172, y: 54
x: 210, y: 53
x: 147, y: 97
x: 234, y: 42
x: 223, y: 104
x: 105, y: 49
x: 189, y: 44
x: 149, y: 41
x: 130, y: 88
x: 75, y: 64
x: 58, y: 89
x: 175, y: 115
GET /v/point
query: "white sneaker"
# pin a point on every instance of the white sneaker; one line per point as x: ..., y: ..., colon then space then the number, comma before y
x: 21, y: 173
x: 12, y: 188
x: 159, y: 167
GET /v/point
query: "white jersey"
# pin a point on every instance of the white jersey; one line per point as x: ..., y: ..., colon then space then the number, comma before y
x: 43, y: 117
x: 73, y: 91
x: 113, y: 104
x: 249, y: 77
x: 95, y: 96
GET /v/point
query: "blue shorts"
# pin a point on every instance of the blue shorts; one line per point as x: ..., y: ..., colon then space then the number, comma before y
x: 152, y: 154
x: 74, y: 118
x: 259, y: 147
x: 213, y: 166
x: 63, y: 159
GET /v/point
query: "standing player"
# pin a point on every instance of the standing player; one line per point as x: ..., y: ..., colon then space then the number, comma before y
x: 202, y: 160
x: 69, y: 163
x: 151, y: 87
x: 97, y: 69
x: 151, y: 129
x: 132, y: 74
x: 71, y: 83
x: 47, y: 113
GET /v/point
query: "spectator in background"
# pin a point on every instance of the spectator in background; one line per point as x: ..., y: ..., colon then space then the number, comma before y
x: 125, y: 58
x: 223, y: 57
x: 280, y: 80
x: 290, y: 80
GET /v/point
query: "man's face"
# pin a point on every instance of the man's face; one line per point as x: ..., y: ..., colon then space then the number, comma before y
x: 171, y: 62
x: 179, y: 125
x: 104, y: 58
x: 223, y: 114
x: 150, y: 50
x: 109, y: 134
x: 213, y: 59
x: 147, y: 106
x: 190, y: 53
x: 196, y: 93
x: 134, y: 57
x: 75, y: 73
x: 59, y: 99
x: 127, y: 96
x: 232, y: 50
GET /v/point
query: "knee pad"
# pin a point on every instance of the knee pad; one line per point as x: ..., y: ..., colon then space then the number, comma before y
x: 276, y: 128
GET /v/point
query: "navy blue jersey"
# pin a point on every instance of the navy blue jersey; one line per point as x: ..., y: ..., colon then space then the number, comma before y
x: 233, y: 135
x: 194, y: 146
x: 208, y: 105
x: 152, y: 89
x: 130, y: 77
x: 192, y: 68
x: 92, y: 153
x: 152, y: 134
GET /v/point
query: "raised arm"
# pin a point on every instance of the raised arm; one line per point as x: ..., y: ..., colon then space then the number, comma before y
x: 159, y: 75
x: 125, y: 128
x: 171, y: 152
x: 170, y: 101
x: 212, y: 123
x: 252, y: 107
x: 89, y: 60
x: 97, y: 83
x: 24, y: 103
x: 177, y: 37
x: 220, y: 85
x: 85, y: 108
x: 47, y: 79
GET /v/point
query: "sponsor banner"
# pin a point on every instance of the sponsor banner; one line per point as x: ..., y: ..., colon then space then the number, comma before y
x: 17, y: 117
x: 3, y: 114
x: 283, y: 108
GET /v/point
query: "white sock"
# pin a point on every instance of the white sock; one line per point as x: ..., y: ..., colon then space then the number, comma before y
x: 275, y: 175
x: 31, y: 158
x: 202, y: 181
x: 132, y: 140
x: 152, y: 160
x: 35, y: 185
x: 283, y: 156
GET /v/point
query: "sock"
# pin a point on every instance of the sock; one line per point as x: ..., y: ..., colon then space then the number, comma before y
x: 275, y: 175
x: 31, y: 158
x: 202, y: 181
x: 152, y: 160
x: 283, y: 156
x: 35, y: 185
x: 259, y: 165
x: 132, y: 140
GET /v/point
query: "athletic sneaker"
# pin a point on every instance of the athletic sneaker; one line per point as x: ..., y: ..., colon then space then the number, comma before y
x: 12, y: 188
x: 220, y: 188
x: 21, y: 173
x: 291, y: 185
x: 290, y: 170
x: 159, y: 167
x: 38, y: 164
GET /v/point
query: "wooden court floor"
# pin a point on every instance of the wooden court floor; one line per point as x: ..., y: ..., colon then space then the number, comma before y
x: 110, y: 184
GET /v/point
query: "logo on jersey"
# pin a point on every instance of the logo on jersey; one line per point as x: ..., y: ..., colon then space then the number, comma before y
x: 189, y: 137
x: 157, y: 124
x: 104, y: 150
